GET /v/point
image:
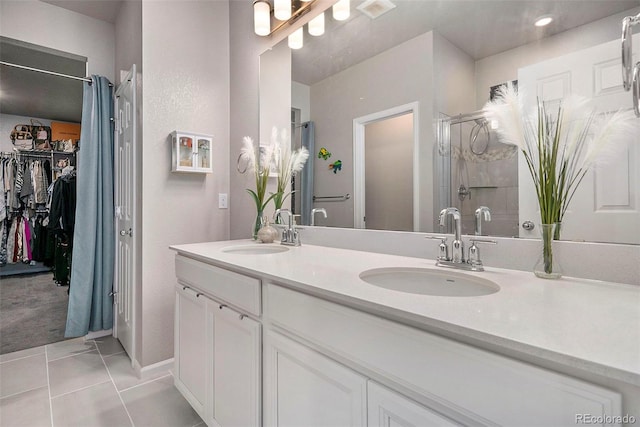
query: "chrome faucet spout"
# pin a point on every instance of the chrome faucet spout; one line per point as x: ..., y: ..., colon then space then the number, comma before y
x: 456, y: 218
x: 457, y: 246
x: 479, y: 213
x: 314, y: 211
x: 457, y: 260
x: 290, y: 235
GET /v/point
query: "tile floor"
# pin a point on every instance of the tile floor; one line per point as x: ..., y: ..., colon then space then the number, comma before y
x: 89, y: 384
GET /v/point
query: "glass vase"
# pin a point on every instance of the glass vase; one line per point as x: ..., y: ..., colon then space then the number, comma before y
x: 257, y: 225
x: 547, y: 266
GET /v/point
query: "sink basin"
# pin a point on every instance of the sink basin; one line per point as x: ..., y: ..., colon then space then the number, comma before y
x: 255, y: 249
x: 425, y: 281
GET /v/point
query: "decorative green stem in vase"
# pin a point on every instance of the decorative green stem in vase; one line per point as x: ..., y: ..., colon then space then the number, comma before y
x: 560, y: 143
x: 547, y: 266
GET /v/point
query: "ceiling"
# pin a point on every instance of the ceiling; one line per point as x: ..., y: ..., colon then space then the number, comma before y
x: 105, y: 10
x: 480, y: 28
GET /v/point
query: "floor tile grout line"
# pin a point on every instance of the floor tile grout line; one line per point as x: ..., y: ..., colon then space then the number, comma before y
x: 106, y: 356
x: 46, y: 360
x: 79, y: 389
x: 144, y: 383
x: 23, y: 357
x: 20, y: 392
x: 115, y: 387
x: 75, y: 354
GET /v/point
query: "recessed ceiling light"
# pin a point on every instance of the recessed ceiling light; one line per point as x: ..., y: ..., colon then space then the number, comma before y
x: 543, y: 20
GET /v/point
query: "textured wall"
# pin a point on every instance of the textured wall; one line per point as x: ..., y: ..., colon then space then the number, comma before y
x: 185, y: 49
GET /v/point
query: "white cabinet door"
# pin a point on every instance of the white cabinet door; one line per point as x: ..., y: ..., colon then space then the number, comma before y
x: 190, y: 370
x: 390, y: 409
x: 304, y: 388
x: 236, y: 367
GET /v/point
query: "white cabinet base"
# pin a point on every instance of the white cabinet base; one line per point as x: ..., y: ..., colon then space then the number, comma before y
x: 304, y: 388
x: 389, y: 409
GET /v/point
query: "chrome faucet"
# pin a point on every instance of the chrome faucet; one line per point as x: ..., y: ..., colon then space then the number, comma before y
x: 314, y: 211
x: 457, y: 246
x: 487, y: 217
x: 290, y: 235
x: 457, y: 259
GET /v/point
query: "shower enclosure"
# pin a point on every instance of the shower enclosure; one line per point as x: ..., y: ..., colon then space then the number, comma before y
x: 475, y: 169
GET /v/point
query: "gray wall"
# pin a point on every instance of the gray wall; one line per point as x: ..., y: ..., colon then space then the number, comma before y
x: 128, y: 29
x: 338, y: 100
x: 51, y: 26
x: 185, y: 55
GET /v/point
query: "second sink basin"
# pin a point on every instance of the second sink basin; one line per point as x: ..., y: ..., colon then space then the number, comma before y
x: 256, y: 249
x: 426, y: 281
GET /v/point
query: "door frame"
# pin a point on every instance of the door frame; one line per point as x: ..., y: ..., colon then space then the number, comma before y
x: 359, y: 173
x: 130, y: 77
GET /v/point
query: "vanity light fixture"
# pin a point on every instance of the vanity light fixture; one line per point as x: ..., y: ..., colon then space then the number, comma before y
x: 277, y: 12
x: 543, y: 21
x: 262, y: 17
x: 341, y: 10
x: 296, y: 39
x: 316, y: 25
x: 282, y: 9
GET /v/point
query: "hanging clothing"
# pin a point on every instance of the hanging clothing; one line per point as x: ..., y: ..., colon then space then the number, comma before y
x: 3, y: 241
x: 90, y: 305
x: 3, y: 193
x: 61, y: 226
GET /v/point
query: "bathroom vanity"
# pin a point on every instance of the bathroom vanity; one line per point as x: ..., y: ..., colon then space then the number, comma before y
x: 268, y: 335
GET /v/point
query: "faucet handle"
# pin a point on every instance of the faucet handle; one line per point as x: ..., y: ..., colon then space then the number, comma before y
x: 443, y: 249
x: 474, y: 253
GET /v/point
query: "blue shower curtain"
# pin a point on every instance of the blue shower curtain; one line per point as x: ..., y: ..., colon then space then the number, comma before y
x: 308, y: 141
x: 90, y: 305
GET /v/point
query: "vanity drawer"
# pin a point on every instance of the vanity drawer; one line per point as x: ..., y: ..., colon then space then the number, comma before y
x: 474, y: 383
x: 236, y: 289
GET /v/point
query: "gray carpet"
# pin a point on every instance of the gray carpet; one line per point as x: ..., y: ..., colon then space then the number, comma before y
x: 33, y: 312
x: 19, y: 269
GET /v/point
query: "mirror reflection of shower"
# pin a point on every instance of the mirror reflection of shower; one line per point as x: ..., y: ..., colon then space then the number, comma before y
x: 483, y: 172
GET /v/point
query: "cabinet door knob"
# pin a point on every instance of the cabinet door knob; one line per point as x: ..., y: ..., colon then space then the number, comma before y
x: 222, y: 306
x: 198, y: 295
x: 242, y: 316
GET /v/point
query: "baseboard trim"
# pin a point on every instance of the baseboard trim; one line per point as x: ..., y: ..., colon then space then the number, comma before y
x: 144, y: 372
x: 98, y: 334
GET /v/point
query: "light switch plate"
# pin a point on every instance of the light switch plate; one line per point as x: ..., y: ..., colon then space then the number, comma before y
x: 222, y: 201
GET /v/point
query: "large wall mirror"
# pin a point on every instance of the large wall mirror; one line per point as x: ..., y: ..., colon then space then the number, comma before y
x: 395, y: 105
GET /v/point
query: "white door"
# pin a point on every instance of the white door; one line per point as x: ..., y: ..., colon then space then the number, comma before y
x: 304, y: 388
x: 237, y: 349
x: 125, y: 197
x: 606, y: 206
x: 389, y: 409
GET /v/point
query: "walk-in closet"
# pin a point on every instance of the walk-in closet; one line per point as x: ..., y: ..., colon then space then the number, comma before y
x: 40, y: 115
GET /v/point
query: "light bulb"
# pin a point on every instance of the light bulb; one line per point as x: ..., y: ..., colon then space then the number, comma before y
x: 282, y: 9
x: 341, y: 10
x: 296, y: 39
x: 543, y: 21
x: 261, y: 18
x: 316, y: 25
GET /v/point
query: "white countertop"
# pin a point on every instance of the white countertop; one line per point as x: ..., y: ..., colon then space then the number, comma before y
x: 587, y: 324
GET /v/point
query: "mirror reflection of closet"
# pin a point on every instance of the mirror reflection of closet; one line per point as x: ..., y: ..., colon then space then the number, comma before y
x: 25, y: 95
